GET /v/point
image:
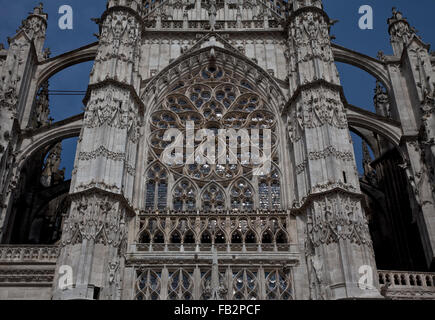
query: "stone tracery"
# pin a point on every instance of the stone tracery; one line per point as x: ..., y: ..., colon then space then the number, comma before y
x: 215, y: 98
x: 214, y: 211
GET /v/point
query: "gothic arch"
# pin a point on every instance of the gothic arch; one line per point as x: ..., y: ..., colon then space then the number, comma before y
x: 274, y: 180
x: 215, y: 199
x: 50, y: 67
x: 248, y: 186
x: 65, y: 129
x: 180, y: 192
x: 360, y: 118
x: 371, y: 65
x: 213, y: 88
x: 156, y: 176
x: 363, y: 134
x: 155, y: 90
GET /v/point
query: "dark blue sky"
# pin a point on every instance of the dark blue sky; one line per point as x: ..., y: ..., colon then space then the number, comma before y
x: 357, y: 84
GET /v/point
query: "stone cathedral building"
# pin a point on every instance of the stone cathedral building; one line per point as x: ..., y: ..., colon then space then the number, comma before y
x: 129, y: 226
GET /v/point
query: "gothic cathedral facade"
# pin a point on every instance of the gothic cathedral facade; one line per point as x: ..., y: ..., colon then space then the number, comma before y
x: 131, y: 226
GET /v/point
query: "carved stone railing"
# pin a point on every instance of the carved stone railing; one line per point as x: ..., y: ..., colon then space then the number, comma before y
x: 171, y: 247
x: 407, y: 285
x: 27, y: 254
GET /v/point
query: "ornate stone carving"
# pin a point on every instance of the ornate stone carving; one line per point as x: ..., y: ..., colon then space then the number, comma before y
x: 102, y: 152
x: 331, y: 151
x: 28, y: 254
x: 51, y: 173
x: 20, y: 276
x: 215, y: 14
x: 42, y: 110
x: 400, y: 31
x: 369, y: 172
x: 381, y: 101
x: 9, y: 99
x: 310, y: 49
x: 337, y: 217
x: 98, y: 218
x: 114, y: 107
x: 316, y: 107
x: 36, y: 24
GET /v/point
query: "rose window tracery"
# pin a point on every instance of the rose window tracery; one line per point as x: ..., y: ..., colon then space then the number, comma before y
x: 216, y: 99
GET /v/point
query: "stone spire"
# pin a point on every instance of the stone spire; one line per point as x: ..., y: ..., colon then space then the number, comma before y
x: 102, y: 185
x: 415, y: 108
x: 35, y: 27
x: 319, y: 138
x: 400, y: 31
x: 17, y: 67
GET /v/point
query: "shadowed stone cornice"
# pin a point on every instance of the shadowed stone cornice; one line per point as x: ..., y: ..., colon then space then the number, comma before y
x: 311, y: 85
x: 27, y: 277
x: 95, y: 188
x: 117, y: 84
x: 336, y: 188
x: 205, y: 257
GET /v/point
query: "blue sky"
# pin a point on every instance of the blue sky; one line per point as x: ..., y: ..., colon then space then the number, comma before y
x: 358, y: 85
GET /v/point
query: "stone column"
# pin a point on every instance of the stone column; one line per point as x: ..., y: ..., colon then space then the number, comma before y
x: 15, y: 80
x: 94, y: 236
x: 337, y: 241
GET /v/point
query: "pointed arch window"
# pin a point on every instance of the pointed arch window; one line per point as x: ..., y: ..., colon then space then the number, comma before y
x: 149, y: 285
x: 242, y: 196
x: 213, y: 198
x: 156, y: 187
x: 269, y: 190
x: 245, y: 285
x: 180, y: 285
x: 184, y: 196
x: 278, y: 285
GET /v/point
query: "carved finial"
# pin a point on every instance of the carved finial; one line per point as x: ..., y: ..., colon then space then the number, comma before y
x: 381, y: 55
x: 397, y: 16
x: 46, y: 53
x: 367, y: 158
x: 401, y: 33
x: 39, y: 9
